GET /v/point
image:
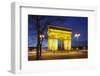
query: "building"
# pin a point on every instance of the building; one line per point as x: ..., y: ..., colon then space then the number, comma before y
x: 58, y: 34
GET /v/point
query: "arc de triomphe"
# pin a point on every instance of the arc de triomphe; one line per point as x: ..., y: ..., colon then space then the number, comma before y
x: 59, y: 33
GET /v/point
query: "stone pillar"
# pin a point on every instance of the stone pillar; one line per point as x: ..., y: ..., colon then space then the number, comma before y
x: 69, y: 44
x: 55, y: 44
x: 65, y: 44
x: 52, y: 44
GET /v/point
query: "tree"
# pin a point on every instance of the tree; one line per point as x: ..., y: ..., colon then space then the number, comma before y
x: 42, y: 23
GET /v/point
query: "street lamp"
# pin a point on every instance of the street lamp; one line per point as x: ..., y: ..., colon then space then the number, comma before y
x: 77, y: 35
x: 41, y: 39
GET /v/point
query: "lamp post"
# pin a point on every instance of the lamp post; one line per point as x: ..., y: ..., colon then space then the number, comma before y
x: 77, y: 35
x: 41, y: 40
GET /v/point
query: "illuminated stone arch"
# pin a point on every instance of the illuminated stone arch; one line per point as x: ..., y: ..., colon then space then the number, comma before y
x: 61, y: 33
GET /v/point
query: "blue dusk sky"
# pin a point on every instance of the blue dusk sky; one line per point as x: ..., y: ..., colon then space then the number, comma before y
x: 77, y: 24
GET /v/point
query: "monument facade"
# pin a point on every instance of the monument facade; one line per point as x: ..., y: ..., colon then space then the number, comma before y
x: 59, y: 38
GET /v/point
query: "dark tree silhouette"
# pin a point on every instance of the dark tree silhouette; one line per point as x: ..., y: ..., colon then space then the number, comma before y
x: 42, y: 23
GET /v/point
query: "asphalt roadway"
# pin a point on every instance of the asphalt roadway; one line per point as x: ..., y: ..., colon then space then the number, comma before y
x: 53, y: 55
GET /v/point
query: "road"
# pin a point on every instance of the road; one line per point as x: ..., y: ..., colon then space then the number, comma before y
x: 49, y: 55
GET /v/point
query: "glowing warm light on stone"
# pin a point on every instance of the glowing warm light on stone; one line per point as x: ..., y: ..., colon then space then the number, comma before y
x: 61, y: 33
